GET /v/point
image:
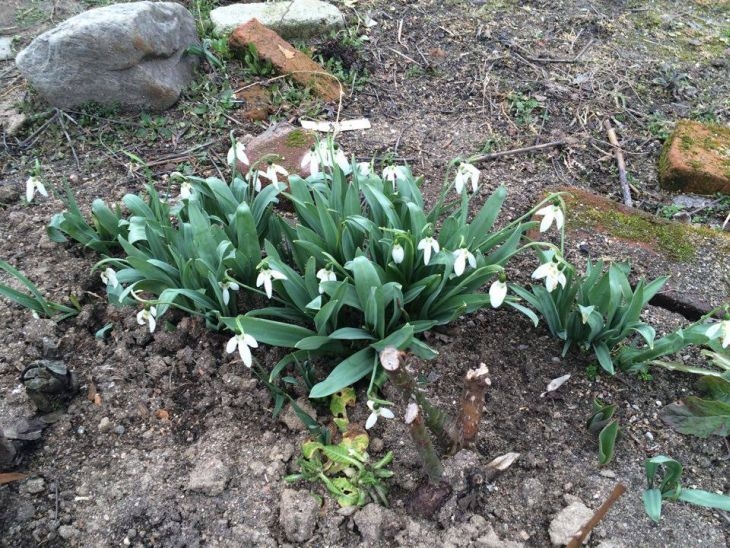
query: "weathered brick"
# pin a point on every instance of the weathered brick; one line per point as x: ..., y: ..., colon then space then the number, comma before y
x: 286, y: 59
x: 696, y: 158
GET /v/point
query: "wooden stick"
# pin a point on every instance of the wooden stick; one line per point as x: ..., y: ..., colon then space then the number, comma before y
x: 494, y: 155
x: 577, y: 539
x: 625, y: 190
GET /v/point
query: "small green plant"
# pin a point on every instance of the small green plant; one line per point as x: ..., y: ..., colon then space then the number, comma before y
x: 659, y: 126
x: 526, y: 109
x: 596, y: 311
x: 253, y: 64
x: 670, y: 211
x: 153, y: 128
x: 345, y: 470
x: 669, y: 489
x: 35, y: 302
x: 602, y: 423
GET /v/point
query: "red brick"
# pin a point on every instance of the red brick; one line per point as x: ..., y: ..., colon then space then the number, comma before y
x: 286, y: 58
x: 696, y: 158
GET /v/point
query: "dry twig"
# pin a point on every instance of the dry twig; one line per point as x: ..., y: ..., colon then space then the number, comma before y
x: 577, y: 539
x: 625, y: 190
x: 551, y: 144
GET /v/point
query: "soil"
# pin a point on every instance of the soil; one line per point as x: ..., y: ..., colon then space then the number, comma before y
x: 171, y: 442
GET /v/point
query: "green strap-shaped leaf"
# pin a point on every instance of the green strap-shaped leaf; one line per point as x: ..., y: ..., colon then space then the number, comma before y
x: 653, y: 503
x: 347, y: 372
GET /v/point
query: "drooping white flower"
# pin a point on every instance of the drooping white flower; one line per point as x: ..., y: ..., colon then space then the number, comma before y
x: 393, y: 173
x: 237, y: 151
x: 552, y: 274
x: 340, y: 158
x: 722, y: 330
x: 186, y: 190
x: 148, y: 316
x: 427, y: 245
x: 266, y: 275
x: 497, y: 293
x: 375, y: 413
x: 242, y: 342
x: 461, y: 256
x: 466, y: 173
x: 364, y: 169
x: 226, y: 287
x: 549, y: 214
x: 311, y: 160
x: 585, y: 312
x: 272, y: 172
x: 253, y: 177
x: 325, y: 275
x: 398, y: 253
x: 33, y: 185
x: 109, y: 277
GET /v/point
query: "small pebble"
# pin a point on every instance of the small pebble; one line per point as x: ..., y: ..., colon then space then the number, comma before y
x: 119, y: 429
x: 35, y: 486
x: 105, y: 425
x: 649, y: 436
x: 608, y: 473
x: 555, y: 359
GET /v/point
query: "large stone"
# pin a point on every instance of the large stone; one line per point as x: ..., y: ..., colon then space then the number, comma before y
x: 298, y: 20
x: 298, y: 512
x: 210, y: 476
x: 286, y: 59
x: 696, y: 158
x: 131, y: 55
x: 568, y: 522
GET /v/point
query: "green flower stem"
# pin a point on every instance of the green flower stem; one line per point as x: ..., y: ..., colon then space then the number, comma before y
x: 429, y: 459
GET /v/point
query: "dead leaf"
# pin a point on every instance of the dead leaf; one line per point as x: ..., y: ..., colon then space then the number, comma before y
x: 162, y: 414
x: 97, y: 400
x: 92, y: 393
x: 287, y: 52
x: 8, y: 477
x: 555, y: 384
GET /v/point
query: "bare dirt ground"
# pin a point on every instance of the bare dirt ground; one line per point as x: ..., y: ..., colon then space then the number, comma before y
x: 445, y: 79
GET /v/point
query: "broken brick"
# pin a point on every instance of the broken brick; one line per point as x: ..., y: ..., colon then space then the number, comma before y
x: 286, y: 59
x: 696, y: 158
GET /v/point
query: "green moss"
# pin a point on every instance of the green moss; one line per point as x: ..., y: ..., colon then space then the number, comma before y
x: 687, y: 142
x: 694, y: 164
x: 298, y: 138
x: 671, y: 238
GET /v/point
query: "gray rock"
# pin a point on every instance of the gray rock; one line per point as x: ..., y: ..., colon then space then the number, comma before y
x: 210, y: 476
x: 6, y: 50
x: 369, y: 522
x: 24, y: 511
x: 132, y: 55
x: 290, y: 418
x: 67, y: 532
x: 34, y: 486
x: 299, y: 20
x: 568, y: 521
x: 7, y: 451
x: 533, y: 492
x: 298, y: 515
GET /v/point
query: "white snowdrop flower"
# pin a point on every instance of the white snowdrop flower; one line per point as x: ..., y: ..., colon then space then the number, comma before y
x: 398, y: 253
x: 33, y: 185
x: 148, y: 316
x: 461, y: 256
x: 226, y: 287
x: 109, y: 277
x: 375, y: 413
x: 242, y: 342
x: 553, y: 276
x: 238, y: 151
x: 265, y: 277
x: 497, y: 293
x: 549, y: 214
x: 466, y: 173
x: 427, y: 245
x: 325, y: 275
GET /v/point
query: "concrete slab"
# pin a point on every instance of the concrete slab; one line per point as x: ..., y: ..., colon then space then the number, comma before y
x: 297, y: 20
